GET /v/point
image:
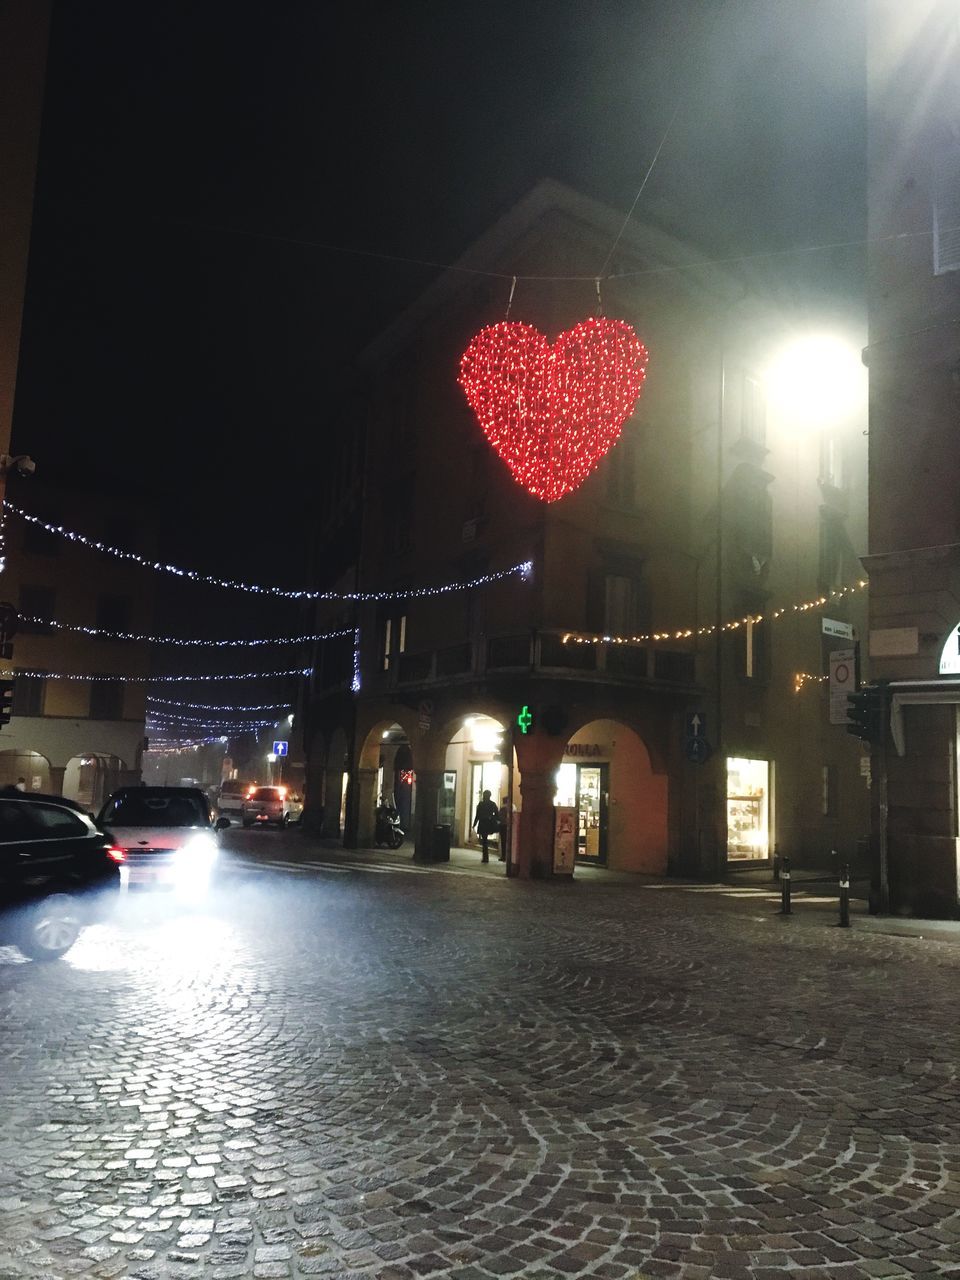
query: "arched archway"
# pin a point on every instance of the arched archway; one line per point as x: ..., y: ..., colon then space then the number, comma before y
x: 29, y: 766
x: 621, y: 804
x: 950, y: 654
x: 386, y: 774
x: 475, y: 760
x: 89, y: 778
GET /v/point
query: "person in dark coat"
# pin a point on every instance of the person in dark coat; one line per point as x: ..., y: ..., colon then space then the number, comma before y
x: 486, y: 821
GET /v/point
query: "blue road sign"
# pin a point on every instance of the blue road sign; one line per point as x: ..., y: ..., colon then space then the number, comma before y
x: 698, y: 750
x: 696, y: 725
x: 280, y: 748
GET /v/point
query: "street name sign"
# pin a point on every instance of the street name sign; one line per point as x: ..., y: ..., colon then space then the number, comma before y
x: 842, y: 630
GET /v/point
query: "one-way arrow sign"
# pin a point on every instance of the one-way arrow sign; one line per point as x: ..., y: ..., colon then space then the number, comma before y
x: 696, y: 725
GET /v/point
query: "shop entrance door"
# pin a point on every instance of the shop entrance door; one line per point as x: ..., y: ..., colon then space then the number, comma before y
x: 485, y: 776
x: 593, y: 787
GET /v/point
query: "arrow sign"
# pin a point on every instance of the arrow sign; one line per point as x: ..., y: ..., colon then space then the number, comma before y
x: 696, y: 724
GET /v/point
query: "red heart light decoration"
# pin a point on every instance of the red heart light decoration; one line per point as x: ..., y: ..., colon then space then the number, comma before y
x: 552, y: 412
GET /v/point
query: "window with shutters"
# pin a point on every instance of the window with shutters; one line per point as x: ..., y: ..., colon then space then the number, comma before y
x: 624, y: 611
x: 946, y: 213
x: 28, y: 695
x: 753, y: 411
x: 106, y: 700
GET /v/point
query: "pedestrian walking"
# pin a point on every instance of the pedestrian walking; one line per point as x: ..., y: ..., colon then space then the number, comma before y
x: 487, y: 821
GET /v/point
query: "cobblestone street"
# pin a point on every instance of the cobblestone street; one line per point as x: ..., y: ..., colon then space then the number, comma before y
x: 397, y: 1072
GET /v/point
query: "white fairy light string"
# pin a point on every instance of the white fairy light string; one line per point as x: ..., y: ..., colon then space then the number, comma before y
x: 685, y: 633
x: 97, y: 679
x: 104, y: 634
x: 524, y: 569
x: 152, y: 700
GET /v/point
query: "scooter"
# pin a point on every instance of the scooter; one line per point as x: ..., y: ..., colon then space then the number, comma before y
x: 388, y: 828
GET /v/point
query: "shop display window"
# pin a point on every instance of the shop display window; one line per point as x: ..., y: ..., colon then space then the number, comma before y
x: 748, y: 809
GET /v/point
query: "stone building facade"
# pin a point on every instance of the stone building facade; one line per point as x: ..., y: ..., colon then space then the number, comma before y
x: 914, y: 365
x: 711, y: 508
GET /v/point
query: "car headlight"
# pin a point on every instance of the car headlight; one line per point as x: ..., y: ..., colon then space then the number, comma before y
x: 195, y: 860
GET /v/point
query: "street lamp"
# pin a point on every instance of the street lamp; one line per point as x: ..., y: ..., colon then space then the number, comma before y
x: 816, y: 382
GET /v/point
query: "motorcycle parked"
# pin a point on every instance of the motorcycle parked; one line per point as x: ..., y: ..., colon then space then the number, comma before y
x: 388, y: 829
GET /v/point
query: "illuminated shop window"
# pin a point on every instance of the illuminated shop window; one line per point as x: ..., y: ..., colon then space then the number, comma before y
x: 748, y: 809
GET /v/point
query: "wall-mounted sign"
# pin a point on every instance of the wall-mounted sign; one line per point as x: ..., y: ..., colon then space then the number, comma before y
x: 894, y: 642
x: 585, y: 750
x: 843, y: 682
x: 842, y: 630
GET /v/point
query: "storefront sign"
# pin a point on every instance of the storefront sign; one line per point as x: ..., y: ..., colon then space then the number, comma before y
x: 564, y: 839
x: 585, y: 750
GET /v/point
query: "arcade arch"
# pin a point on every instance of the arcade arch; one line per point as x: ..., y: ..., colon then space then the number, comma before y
x: 89, y: 778
x: 621, y: 804
x: 31, y: 766
x: 475, y: 761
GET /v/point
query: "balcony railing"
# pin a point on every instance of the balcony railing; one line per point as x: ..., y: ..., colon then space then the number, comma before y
x: 543, y: 652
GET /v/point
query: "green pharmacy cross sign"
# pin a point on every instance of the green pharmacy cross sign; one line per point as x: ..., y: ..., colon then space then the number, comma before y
x: 525, y: 719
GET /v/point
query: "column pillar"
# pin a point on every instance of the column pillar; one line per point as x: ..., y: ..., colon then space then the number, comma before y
x: 428, y: 797
x: 533, y: 858
x: 56, y: 779
x: 332, y: 784
x: 364, y: 808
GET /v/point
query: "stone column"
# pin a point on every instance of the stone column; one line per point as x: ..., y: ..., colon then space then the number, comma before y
x: 533, y: 858
x: 428, y: 795
x: 364, y: 807
x: 332, y: 784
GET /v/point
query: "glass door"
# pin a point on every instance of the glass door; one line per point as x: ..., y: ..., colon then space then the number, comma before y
x: 483, y: 777
x: 592, y: 794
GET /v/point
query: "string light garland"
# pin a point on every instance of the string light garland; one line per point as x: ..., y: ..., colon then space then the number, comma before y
x: 552, y: 412
x: 103, y: 634
x: 98, y: 679
x: 523, y: 569
x: 153, y: 701
x: 685, y: 633
x: 800, y: 678
x: 159, y: 719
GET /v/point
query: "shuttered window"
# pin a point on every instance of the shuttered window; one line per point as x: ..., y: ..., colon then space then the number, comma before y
x: 946, y: 213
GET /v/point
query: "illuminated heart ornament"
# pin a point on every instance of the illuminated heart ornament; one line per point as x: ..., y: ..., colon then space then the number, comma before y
x: 553, y: 411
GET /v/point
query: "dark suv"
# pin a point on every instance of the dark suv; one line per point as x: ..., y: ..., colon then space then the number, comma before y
x: 58, y: 872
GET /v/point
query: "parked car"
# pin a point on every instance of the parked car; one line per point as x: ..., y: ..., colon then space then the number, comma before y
x: 231, y: 797
x: 167, y: 834
x: 57, y: 873
x: 277, y: 805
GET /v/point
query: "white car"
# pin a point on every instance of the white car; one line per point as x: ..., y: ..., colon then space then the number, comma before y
x: 277, y: 805
x: 167, y: 834
x: 230, y: 799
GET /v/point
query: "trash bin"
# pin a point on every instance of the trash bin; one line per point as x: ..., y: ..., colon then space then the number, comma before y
x: 440, y: 851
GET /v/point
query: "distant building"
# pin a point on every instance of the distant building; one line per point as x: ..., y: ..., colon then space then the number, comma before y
x: 914, y: 363
x: 712, y: 507
x: 76, y: 737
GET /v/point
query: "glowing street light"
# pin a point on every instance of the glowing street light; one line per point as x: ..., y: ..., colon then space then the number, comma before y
x: 817, y: 381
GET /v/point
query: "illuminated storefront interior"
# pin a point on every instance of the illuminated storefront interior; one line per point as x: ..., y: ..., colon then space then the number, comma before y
x: 748, y: 809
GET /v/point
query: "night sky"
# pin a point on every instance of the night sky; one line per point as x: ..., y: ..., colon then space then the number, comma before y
x: 175, y: 334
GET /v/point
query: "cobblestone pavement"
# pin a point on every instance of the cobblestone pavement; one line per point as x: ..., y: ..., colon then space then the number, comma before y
x: 403, y: 1074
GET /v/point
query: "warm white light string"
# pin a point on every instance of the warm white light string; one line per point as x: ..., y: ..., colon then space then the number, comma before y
x: 216, y: 706
x: 103, y: 634
x: 97, y: 679
x: 685, y: 633
x: 524, y: 568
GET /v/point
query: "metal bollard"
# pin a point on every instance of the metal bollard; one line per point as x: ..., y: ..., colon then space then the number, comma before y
x: 776, y: 864
x: 785, y: 887
x: 845, y: 896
